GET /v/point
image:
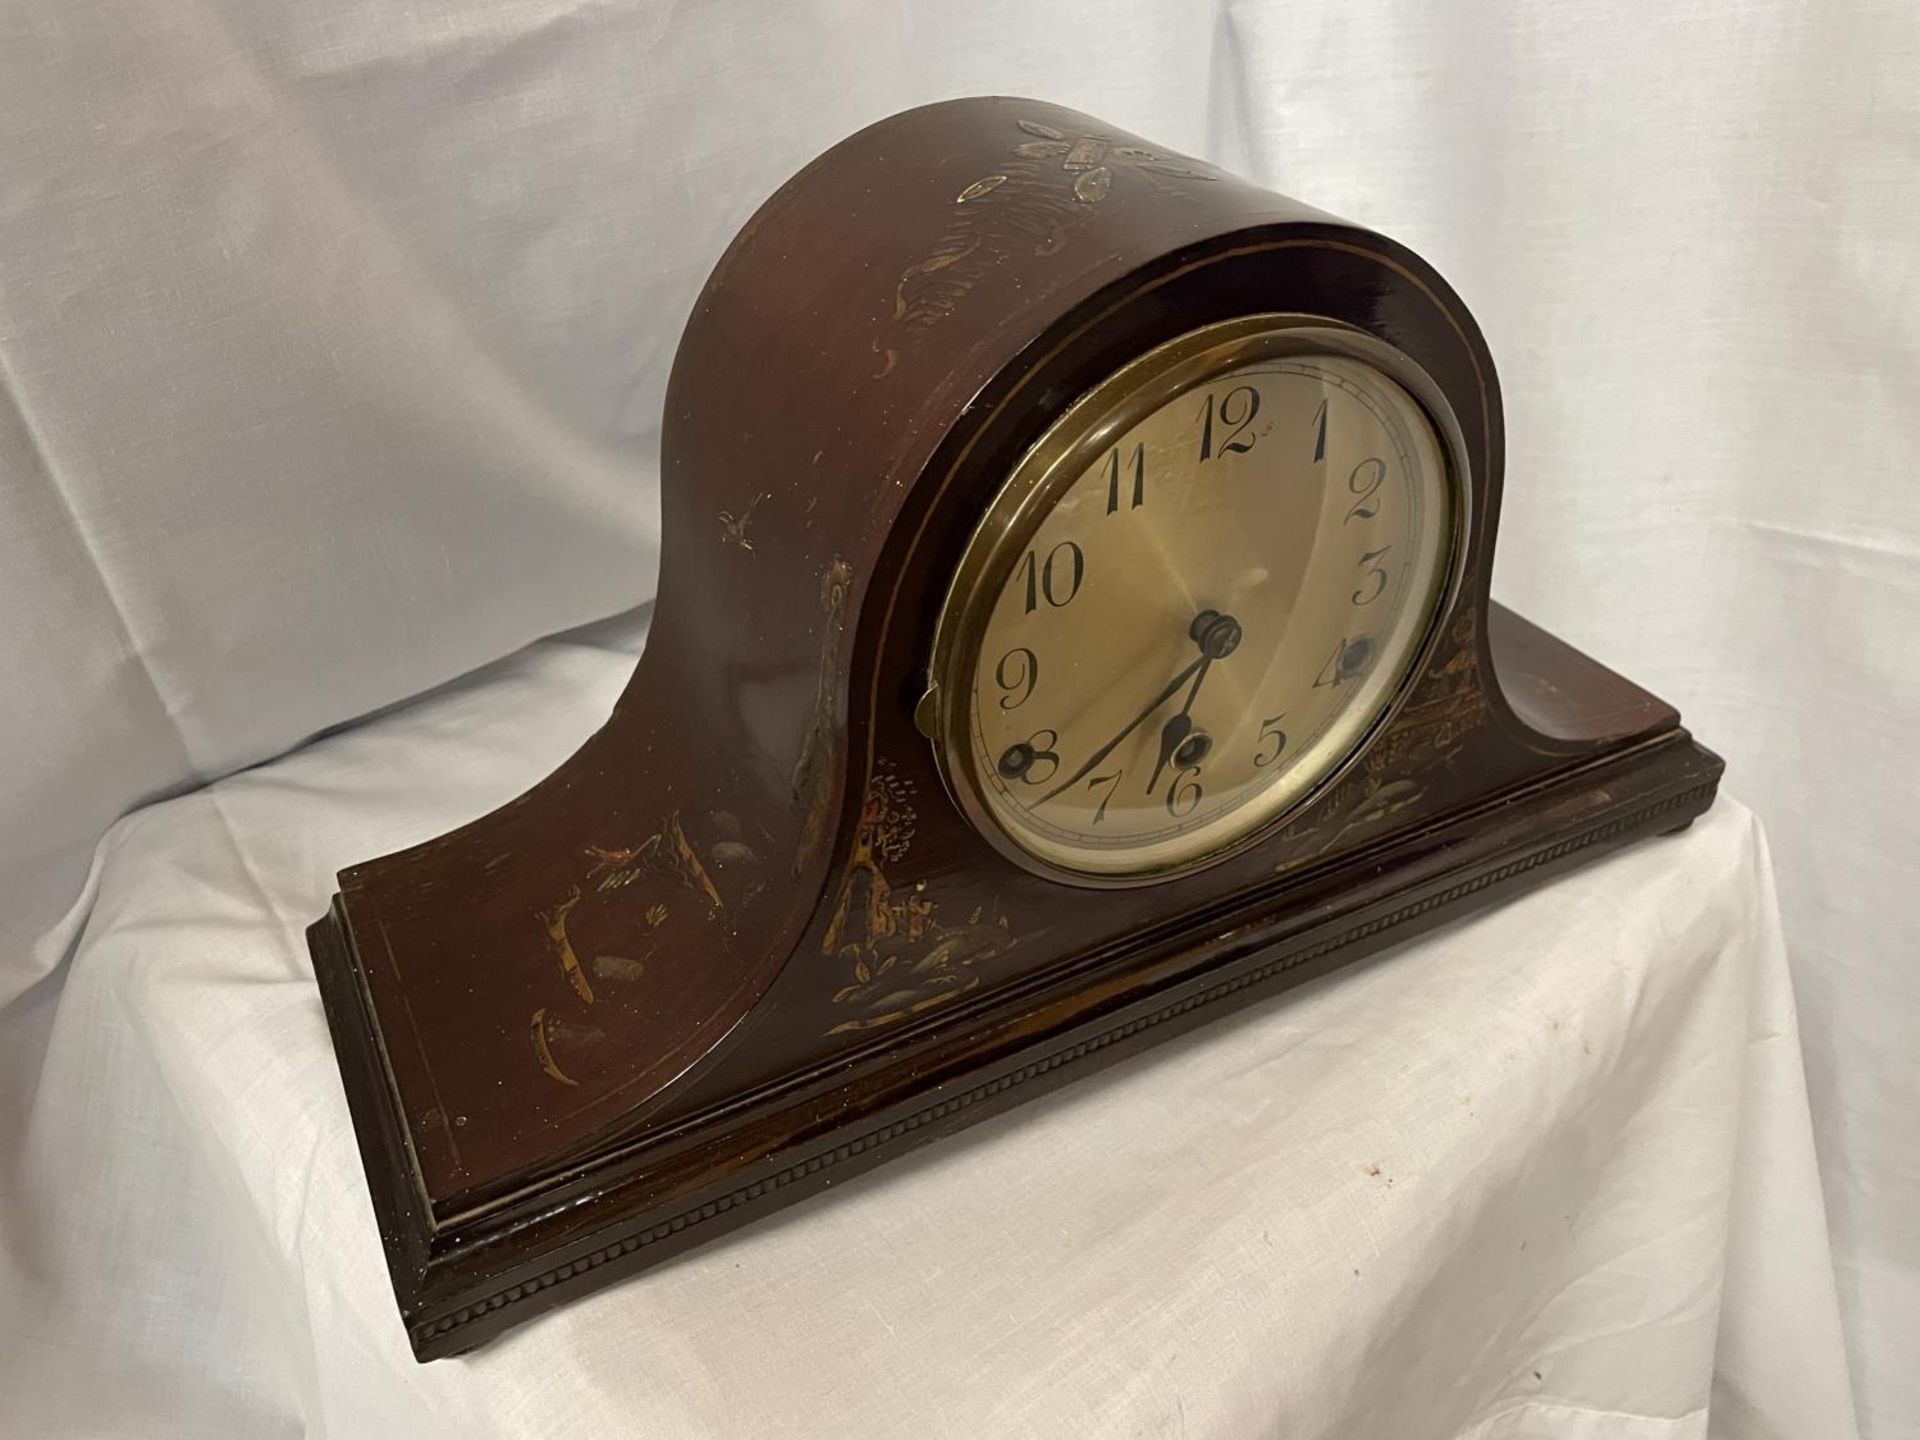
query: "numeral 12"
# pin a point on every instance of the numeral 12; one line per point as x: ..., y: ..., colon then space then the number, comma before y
x: 1237, y: 441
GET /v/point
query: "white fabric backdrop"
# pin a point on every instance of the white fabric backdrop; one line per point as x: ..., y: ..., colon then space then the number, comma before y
x: 332, y: 339
x: 1545, y: 1175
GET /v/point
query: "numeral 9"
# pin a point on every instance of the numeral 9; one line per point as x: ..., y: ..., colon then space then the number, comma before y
x: 1025, y: 674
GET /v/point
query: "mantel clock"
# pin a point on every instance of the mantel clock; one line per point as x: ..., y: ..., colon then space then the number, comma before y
x: 1073, y: 622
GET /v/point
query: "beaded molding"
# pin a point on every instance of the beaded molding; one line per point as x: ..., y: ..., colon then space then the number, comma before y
x: 884, y: 1134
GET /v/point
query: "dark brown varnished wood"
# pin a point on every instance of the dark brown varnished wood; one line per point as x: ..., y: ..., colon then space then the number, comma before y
x: 742, y: 944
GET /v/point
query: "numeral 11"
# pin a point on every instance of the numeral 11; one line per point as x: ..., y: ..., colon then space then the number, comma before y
x: 1139, y: 463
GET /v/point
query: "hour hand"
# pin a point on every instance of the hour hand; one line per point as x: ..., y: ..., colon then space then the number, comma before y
x: 1218, y: 637
x: 1172, y: 735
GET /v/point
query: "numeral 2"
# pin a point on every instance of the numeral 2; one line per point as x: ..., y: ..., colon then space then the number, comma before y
x: 1365, y: 481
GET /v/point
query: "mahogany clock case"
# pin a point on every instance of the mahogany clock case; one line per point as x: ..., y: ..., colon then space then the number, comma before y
x: 742, y: 944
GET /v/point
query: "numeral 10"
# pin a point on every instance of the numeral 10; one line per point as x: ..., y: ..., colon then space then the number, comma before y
x: 1055, y: 580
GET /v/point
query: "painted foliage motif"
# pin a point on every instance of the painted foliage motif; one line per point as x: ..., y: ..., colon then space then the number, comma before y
x: 621, y: 931
x: 1047, y: 186
x: 903, y: 957
x: 1424, y: 739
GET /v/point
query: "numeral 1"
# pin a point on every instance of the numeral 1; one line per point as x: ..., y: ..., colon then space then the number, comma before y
x: 1139, y: 477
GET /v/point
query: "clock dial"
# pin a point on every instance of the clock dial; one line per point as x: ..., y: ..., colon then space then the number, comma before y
x: 1208, y: 607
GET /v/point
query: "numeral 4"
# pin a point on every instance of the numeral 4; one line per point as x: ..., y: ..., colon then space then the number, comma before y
x: 1348, y: 660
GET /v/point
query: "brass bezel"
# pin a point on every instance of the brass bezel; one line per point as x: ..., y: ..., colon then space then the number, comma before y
x: 1052, y: 464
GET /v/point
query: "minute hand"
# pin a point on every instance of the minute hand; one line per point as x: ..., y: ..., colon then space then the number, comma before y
x: 1131, y: 726
x: 1178, y: 727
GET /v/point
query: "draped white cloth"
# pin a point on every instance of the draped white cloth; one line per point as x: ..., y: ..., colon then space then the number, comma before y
x: 332, y: 342
x: 1547, y: 1173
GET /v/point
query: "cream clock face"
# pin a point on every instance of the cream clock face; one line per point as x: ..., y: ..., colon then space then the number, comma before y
x: 1195, y: 598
